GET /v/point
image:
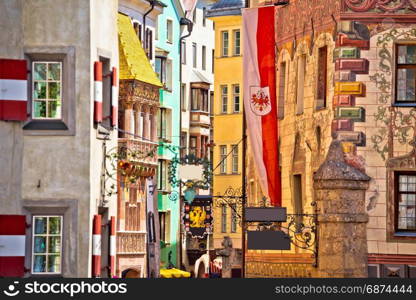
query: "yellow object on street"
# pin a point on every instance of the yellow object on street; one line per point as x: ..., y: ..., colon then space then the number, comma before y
x: 174, y: 273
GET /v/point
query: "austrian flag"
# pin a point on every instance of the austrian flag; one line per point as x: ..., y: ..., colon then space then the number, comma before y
x: 260, y: 97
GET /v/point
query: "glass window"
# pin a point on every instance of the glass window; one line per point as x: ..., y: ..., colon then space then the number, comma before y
x: 224, y: 43
x: 224, y: 99
x: 322, y: 78
x: 194, y: 55
x: 193, y: 145
x: 183, y: 96
x: 235, y: 158
x: 46, y: 90
x: 223, y: 159
x: 300, y: 84
x: 236, y: 36
x: 233, y: 218
x: 162, y: 123
x: 282, y: 91
x: 406, y: 201
x: 204, y: 58
x: 162, y: 172
x: 47, y: 245
x: 236, y: 97
x: 183, y: 52
x: 169, y: 31
x: 160, y: 68
x: 406, y: 74
x: 223, y: 218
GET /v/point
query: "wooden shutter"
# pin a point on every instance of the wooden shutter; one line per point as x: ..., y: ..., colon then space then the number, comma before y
x: 98, y: 92
x: 13, y: 90
x: 114, y: 98
x: 12, y: 245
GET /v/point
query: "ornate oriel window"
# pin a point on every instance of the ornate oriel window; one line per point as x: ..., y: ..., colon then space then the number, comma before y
x: 405, y: 201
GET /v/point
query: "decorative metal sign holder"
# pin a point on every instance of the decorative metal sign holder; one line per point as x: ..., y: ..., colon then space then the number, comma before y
x: 301, y: 228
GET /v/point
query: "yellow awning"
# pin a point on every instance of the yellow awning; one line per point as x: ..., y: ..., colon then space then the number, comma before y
x: 134, y: 63
x: 174, y: 273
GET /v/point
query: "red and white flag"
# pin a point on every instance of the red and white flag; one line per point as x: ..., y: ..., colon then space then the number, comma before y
x: 260, y: 97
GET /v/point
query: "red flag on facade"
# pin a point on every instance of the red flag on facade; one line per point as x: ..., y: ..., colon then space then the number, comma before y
x: 260, y: 97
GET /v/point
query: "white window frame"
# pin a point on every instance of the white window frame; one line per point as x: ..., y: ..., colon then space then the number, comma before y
x: 224, y: 99
x: 235, y: 159
x: 235, y: 95
x: 235, y: 46
x: 47, y: 244
x: 169, y: 33
x: 223, y: 159
x: 225, y: 45
x: 47, y: 100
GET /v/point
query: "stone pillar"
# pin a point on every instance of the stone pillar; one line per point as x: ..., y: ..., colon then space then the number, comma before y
x: 342, y: 219
x: 154, y: 124
x: 146, y: 123
x: 128, y: 115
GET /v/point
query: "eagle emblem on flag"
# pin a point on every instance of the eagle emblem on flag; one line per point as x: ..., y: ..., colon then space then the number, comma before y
x: 260, y: 100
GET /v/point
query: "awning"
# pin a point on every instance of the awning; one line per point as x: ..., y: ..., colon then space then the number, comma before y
x: 134, y: 63
x: 174, y: 273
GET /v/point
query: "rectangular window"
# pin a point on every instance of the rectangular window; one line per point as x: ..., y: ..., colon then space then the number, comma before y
x: 164, y: 221
x: 223, y: 159
x: 322, y: 78
x: 46, y: 90
x: 204, y: 58
x: 235, y: 159
x: 224, y: 99
x: 192, y: 145
x: 184, y: 137
x: 406, y: 201
x: 236, y: 97
x: 195, y: 99
x: 162, y: 171
x: 183, y: 52
x: 160, y: 68
x: 236, y: 37
x: 298, y: 198
x: 406, y: 74
x: 224, y: 43
x: 194, y: 55
x: 223, y: 218
x: 47, y: 244
x: 282, y: 91
x: 204, y: 17
x: 183, y: 96
x: 169, y: 75
x: 169, y: 31
x: 138, y: 29
x: 233, y: 218
x: 300, y: 84
x: 164, y: 127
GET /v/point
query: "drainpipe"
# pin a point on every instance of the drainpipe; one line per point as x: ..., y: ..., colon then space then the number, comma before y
x: 189, y: 24
x: 152, y: 3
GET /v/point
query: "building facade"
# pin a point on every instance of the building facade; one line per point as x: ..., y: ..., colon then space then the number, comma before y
x: 343, y: 74
x: 227, y: 110
x: 167, y: 66
x: 196, y: 129
x: 137, y: 235
x: 55, y: 138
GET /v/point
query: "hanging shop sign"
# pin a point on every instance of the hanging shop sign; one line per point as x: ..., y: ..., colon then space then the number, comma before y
x: 268, y: 240
x: 197, y: 216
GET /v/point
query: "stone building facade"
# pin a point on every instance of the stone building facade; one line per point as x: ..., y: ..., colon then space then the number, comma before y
x: 53, y: 162
x: 343, y: 71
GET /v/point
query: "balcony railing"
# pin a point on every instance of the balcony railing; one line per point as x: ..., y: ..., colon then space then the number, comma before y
x: 139, y: 151
x: 131, y: 242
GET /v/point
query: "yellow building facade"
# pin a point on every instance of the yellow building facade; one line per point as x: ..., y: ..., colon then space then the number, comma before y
x: 227, y: 123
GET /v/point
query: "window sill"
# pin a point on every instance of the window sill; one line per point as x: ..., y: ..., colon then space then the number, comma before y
x: 47, y: 127
x: 405, y: 234
x: 227, y: 174
x: 164, y: 192
x: 412, y: 104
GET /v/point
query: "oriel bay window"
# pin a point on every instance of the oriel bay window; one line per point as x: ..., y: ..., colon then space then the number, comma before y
x: 46, y: 87
x: 199, y: 99
x: 405, y: 201
x: 406, y: 74
x: 46, y: 245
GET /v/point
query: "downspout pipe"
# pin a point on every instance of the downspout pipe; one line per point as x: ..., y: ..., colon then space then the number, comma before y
x: 189, y: 24
x: 152, y: 7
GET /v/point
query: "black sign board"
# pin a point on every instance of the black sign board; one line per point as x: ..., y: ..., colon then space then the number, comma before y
x: 265, y: 214
x: 268, y: 240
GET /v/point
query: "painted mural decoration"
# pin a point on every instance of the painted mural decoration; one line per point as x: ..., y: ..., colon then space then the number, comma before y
x: 380, y: 6
x: 396, y: 124
x: 197, y: 217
